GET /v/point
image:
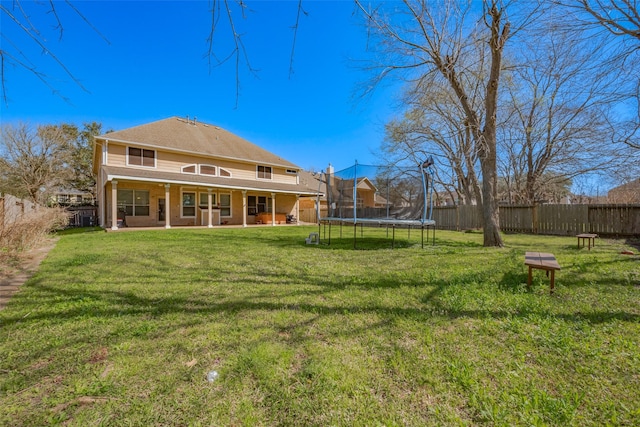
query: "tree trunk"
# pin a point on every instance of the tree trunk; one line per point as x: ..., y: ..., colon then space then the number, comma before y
x: 487, y: 143
x: 490, y: 208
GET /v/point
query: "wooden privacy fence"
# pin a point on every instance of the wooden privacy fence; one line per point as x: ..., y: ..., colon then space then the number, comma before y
x: 619, y: 220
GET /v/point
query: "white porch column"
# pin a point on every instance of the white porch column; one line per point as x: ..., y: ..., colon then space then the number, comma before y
x: 167, y: 206
x: 244, y: 208
x: 114, y: 205
x: 273, y: 209
x: 297, y: 209
x: 210, y: 206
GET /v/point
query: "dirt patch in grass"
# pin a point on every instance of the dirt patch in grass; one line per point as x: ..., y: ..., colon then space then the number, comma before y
x: 15, y: 271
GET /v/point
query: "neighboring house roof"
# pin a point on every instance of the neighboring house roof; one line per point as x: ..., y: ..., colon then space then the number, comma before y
x: 71, y: 191
x: 313, y: 181
x: 114, y: 172
x: 629, y: 192
x: 176, y: 134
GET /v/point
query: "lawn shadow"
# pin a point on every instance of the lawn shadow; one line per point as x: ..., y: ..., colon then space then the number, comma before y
x: 514, y: 282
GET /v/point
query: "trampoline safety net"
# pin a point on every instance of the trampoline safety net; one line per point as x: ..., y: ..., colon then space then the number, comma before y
x: 383, y: 195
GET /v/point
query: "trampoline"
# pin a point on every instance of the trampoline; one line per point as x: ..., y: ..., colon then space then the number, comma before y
x: 378, y: 196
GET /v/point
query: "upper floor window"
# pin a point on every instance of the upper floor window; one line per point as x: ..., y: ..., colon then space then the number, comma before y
x: 141, y: 157
x: 208, y: 170
x: 292, y: 172
x: 264, y: 172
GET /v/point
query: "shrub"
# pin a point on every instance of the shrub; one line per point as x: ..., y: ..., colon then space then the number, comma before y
x: 29, y: 230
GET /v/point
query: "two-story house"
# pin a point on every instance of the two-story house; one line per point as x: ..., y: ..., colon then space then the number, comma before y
x: 179, y: 172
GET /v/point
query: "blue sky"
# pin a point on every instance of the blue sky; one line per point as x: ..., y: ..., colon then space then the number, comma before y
x: 154, y: 66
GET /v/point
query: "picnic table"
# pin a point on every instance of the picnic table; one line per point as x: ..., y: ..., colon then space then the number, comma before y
x: 590, y: 238
x: 542, y: 261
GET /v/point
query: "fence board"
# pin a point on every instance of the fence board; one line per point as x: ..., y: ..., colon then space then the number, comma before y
x: 517, y: 219
x: 618, y: 220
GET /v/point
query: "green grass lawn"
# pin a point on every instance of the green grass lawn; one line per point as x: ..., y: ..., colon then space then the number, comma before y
x: 122, y: 328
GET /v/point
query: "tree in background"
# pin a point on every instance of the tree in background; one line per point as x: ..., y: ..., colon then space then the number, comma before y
x: 34, y: 162
x: 435, y: 125
x: 82, y: 156
x: 558, y: 112
x: 620, y: 19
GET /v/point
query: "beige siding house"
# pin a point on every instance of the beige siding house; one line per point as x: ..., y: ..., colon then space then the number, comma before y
x: 179, y: 172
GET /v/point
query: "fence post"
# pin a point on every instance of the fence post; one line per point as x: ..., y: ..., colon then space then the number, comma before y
x: 534, y: 218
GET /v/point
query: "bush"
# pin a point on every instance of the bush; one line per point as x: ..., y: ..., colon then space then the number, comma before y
x: 29, y: 230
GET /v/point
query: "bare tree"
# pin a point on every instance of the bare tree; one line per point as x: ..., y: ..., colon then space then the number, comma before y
x: 558, y: 108
x: 619, y: 17
x: 425, y: 37
x: 12, y: 54
x: 34, y: 162
x: 436, y: 126
x: 229, y: 10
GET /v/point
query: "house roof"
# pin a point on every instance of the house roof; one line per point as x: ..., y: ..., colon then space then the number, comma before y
x: 124, y: 173
x: 631, y: 185
x: 177, y: 134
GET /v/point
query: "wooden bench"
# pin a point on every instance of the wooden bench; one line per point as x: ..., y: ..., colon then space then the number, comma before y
x: 590, y: 238
x: 542, y: 261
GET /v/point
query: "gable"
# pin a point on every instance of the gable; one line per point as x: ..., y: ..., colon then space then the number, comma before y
x: 365, y: 184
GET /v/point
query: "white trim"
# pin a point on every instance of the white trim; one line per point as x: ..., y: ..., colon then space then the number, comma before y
x: 201, y: 184
x: 105, y: 153
x: 230, y: 204
x: 195, y: 169
x: 195, y: 202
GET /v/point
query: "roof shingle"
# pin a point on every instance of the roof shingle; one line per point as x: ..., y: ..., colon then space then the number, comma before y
x: 179, y: 134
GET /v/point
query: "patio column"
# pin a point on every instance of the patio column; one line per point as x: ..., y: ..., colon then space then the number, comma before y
x: 167, y: 206
x: 210, y: 206
x: 273, y: 209
x: 297, y: 209
x: 114, y: 205
x: 244, y: 208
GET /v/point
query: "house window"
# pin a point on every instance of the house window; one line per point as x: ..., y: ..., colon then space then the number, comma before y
x: 225, y: 205
x: 207, y: 170
x: 292, y: 172
x: 258, y: 204
x: 224, y: 172
x: 264, y: 172
x: 133, y: 202
x: 188, y: 204
x: 189, y: 169
x: 204, y: 200
x: 141, y: 157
